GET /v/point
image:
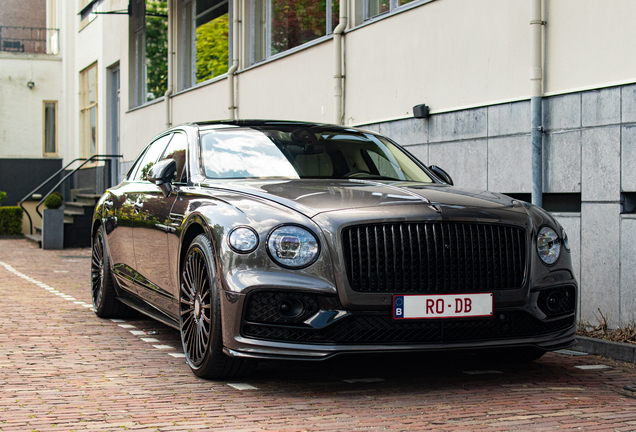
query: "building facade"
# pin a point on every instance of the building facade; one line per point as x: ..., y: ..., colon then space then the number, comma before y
x: 133, y: 68
x: 31, y: 96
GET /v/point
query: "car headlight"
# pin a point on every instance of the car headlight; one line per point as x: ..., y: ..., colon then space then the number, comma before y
x: 548, y: 245
x: 243, y: 239
x: 564, y: 236
x: 292, y: 246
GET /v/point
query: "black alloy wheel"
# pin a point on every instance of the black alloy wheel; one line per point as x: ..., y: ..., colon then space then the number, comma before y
x: 196, y: 307
x: 103, y: 293
x: 200, y: 316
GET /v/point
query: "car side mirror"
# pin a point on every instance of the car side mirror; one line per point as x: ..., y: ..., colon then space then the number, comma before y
x: 441, y: 174
x: 163, y: 174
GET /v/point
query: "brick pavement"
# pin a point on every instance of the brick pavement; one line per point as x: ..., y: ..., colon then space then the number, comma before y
x: 62, y: 368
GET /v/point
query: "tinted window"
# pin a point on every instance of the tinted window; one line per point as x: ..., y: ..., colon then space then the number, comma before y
x: 304, y: 152
x: 150, y: 157
x: 177, y: 150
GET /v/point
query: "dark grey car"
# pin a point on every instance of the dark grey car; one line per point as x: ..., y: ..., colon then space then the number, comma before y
x: 288, y: 240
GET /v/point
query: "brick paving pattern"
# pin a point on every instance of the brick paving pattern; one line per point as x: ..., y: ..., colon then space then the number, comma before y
x: 62, y: 368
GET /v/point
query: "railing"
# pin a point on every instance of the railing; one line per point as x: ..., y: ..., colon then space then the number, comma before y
x: 35, y: 40
x: 93, y: 158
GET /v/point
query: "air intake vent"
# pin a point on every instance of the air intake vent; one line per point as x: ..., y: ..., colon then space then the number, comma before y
x: 434, y: 257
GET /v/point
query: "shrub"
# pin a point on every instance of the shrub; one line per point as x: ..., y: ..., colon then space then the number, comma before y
x: 3, y: 195
x: 10, y: 220
x: 53, y: 201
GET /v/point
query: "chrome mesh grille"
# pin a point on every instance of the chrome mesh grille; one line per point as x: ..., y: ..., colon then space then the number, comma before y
x: 435, y: 257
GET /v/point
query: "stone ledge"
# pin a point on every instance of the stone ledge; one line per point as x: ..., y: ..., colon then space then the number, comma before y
x: 614, y: 350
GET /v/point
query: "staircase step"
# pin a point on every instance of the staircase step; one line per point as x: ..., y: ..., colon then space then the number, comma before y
x: 89, y: 199
x: 37, y: 238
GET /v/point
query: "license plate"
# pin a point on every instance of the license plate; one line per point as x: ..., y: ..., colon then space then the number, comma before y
x: 442, y: 306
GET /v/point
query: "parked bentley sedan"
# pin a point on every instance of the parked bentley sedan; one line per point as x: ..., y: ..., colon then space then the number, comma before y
x: 289, y: 240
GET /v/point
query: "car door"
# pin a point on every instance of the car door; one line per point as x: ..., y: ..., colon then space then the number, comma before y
x: 151, y: 227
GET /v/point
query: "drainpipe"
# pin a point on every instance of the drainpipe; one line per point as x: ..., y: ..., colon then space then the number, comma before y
x: 235, y: 58
x: 536, y: 74
x: 168, y: 92
x: 339, y: 60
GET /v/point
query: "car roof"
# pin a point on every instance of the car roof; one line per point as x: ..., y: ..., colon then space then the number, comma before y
x: 260, y: 123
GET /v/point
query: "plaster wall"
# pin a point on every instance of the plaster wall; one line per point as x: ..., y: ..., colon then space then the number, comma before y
x: 21, y: 108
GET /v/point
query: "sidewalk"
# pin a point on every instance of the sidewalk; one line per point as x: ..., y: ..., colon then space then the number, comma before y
x: 62, y: 368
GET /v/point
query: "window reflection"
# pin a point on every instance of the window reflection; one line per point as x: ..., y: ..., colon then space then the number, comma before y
x: 243, y: 154
x: 304, y: 152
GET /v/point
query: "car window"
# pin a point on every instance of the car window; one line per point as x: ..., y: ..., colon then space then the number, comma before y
x: 302, y: 152
x: 177, y: 150
x: 150, y: 157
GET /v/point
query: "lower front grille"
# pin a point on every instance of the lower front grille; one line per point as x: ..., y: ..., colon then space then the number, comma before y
x: 367, y: 329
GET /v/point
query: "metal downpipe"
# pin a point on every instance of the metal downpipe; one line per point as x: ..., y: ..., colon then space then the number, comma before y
x: 235, y: 59
x: 168, y: 92
x: 536, y: 76
x: 338, y: 75
x: 537, y: 151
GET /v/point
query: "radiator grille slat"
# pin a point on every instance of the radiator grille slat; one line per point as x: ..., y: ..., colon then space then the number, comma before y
x: 434, y: 257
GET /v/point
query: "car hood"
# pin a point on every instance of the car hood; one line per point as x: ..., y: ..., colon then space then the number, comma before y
x: 313, y: 197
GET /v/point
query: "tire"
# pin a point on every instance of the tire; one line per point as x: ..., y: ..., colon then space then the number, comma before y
x: 104, y: 296
x: 200, y: 316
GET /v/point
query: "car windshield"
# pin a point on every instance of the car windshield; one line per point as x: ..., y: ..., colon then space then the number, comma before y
x: 294, y: 152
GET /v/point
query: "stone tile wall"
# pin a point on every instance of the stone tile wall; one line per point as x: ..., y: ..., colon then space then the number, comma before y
x: 589, y: 148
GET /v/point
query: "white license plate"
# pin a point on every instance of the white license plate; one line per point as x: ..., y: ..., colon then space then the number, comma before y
x: 442, y: 306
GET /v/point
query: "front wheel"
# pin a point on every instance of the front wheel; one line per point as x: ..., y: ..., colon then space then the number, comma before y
x: 200, y: 316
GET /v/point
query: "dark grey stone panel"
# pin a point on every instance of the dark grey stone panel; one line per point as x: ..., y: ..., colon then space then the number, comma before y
x: 562, y: 112
x: 452, y: 126
x: 405, y: 132
x: 600, y: 261
x: 562, y: 162
x: 510, y: 164
x: 628, y: 103
x: 18, y: 177
x: 508, y: 119
x: 601, y: 164
x: 628, y: 269
x: 601, y: 107
x: 465, y: 161
x: 628, y: 158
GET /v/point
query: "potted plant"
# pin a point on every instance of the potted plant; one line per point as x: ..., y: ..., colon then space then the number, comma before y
x: 53, y: 222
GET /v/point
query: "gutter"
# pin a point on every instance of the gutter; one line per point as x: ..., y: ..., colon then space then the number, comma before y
x: 168, y: 92
x: 536, y: 75
x: 235, y: 61
x: 339, y: 61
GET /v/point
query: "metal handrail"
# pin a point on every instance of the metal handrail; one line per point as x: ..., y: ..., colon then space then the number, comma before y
x: 37, y: 208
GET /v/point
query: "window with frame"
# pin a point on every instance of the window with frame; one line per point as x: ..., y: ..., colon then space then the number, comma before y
x: 149, y: 158
x: 87, y: 15
x: 373, y: 8
x: 49, y: 128
x: 205, y: 40
x: 149, y: 50
x: 88, y: 110
x: 280, y: 25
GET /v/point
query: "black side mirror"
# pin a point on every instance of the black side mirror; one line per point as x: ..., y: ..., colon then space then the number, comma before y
x: 441, y: 174
x: 163, y: 174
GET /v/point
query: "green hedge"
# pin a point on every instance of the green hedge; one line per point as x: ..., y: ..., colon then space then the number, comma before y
x: 10, y: 220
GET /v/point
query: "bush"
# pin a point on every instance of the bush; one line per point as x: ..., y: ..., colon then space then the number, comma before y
x: 10, y: 220
x: 54, y: 201
x: 3, y: 195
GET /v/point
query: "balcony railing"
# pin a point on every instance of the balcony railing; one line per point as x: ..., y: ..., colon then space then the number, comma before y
x: 34, y: 40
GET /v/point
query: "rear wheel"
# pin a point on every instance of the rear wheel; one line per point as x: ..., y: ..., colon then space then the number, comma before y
x: 200, y: 316
x: 105, y: 303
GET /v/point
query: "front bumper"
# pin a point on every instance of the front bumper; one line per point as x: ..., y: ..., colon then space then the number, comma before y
x: 331, y: 330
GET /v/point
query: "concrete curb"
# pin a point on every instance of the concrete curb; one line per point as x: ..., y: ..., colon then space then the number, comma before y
x: 614, y: 350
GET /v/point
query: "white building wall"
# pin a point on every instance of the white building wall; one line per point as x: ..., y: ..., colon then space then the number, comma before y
x: 21, y: 109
